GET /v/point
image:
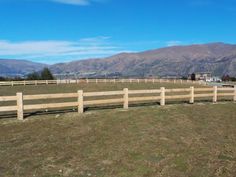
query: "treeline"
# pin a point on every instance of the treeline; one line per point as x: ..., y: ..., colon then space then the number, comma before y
x: 10, y: 78
x: 45, y: 74
x: 227, y: 78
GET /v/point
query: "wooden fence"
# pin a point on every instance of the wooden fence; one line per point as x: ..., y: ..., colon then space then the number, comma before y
x: 77, y: 81
x: 124, y: 97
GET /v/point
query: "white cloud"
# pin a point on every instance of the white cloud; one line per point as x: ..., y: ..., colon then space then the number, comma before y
x: 58, y: 51
x: 77, y: 2
x: 173, y: 43
x: 70, y: 2
x: 74, y: 2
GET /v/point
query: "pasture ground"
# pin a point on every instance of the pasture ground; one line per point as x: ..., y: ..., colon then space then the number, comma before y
x: 73, y: 88
x: 91, y: 87
x: 176, y: 140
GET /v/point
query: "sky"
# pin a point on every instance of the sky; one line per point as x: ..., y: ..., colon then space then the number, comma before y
x: 54, y: 31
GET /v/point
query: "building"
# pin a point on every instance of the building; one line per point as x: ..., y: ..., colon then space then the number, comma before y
x: 214, y: 79
x: 201, y: 76
x: 205, y: 76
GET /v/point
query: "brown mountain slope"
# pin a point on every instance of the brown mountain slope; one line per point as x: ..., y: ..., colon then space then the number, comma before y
x: 18, y: 67
x: 218, y: 58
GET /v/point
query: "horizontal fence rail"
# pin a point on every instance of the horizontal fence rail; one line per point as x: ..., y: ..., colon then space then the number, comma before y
x: 78, y: 81
x: 124, y: 97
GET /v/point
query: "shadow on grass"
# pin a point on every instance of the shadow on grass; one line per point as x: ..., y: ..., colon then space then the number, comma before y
x: 32, y: 114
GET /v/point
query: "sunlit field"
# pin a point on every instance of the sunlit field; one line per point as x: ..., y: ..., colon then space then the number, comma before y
x: 179, y: 139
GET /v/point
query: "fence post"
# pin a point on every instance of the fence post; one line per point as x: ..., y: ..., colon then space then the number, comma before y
x: 126, y: 98
x: 96, y: 81
x: 235, y: 93
x: 215, y: 94
x: 191, y: 95
x: 163, y: 96
x: 80, y: 102
x: 20, y: 106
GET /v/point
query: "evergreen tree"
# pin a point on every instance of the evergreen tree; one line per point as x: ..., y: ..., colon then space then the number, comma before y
x: 193, y: 77
x: 2, y: 78
x: 46, y: 74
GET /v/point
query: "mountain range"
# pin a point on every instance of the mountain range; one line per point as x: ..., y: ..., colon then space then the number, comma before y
x: 9, y: 67
x: 217, y: 58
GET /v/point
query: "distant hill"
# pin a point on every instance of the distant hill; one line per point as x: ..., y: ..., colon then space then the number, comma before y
x: 218, y: 58
x: 18, y: 67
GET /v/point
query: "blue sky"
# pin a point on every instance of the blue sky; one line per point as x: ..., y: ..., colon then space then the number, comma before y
x: 53, y: 31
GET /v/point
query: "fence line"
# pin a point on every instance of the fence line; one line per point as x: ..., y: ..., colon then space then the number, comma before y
x: 78, y: 81
x: 128, y: 96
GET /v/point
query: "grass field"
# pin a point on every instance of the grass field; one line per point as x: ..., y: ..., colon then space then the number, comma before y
x: 69, y: 88
x: 178, y: 140
x: 175, y: 140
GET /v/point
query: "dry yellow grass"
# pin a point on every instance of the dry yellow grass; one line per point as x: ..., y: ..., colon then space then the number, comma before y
x: 176, y: 140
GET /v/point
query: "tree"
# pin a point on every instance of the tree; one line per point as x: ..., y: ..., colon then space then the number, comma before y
x: 193, y: 76
x: 226, y: 78
x: 33, y: 76
x: 2, y: 78
x: 46, y: 74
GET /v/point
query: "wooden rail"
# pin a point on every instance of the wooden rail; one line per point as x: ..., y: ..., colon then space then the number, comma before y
x: 120, y: 97
x: 78, y: 81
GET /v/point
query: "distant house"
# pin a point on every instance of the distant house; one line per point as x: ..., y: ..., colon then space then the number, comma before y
x: 201, y: 76
x: 214, y: 79
x: 205, y: 76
